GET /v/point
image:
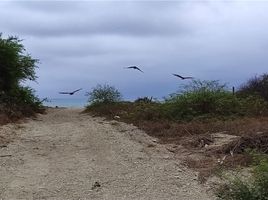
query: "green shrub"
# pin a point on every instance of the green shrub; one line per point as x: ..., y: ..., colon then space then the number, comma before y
x: 21, y: 102
x: 255, y: 188
x: 104, y: 94
x: 253, y: 106
x: 26, y: 96
x: 203, y: 99
x: 149, y: 111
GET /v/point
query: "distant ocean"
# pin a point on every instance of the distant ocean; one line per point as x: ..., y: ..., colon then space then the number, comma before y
x: 67, y: 102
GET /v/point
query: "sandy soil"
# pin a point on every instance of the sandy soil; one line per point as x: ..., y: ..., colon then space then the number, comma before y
x: 68, y: 155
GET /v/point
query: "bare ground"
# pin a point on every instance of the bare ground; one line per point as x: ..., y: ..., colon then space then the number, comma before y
x: 68, y: 155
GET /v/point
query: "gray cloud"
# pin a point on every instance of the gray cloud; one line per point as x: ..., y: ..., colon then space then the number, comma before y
x: 83, y: 43
x: 88, y: 18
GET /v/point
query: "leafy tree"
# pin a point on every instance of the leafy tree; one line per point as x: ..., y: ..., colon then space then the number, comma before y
x: 15, y: 64
x: 104, y: 94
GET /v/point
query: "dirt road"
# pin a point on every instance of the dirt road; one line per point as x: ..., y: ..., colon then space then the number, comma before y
x: 65, y: 155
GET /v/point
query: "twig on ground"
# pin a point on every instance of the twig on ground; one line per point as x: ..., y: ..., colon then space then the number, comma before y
x: 5, y: 155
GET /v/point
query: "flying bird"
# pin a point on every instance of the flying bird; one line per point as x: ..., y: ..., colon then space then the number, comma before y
x: 183, y: 77
x: 70, y: 93
x: 134, y: 67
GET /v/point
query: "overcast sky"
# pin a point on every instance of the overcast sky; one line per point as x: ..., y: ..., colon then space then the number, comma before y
x: 83, y: 43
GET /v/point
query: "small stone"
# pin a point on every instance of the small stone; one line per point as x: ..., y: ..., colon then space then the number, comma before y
x: 166, y: 157
x: 179, y: 170
x: 151, y: 145
x: 116, y: 117
x: 96, y: 185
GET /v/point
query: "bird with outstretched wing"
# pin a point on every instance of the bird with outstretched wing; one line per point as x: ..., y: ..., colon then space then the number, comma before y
x: 183, y: 77
x: 134, y: 67
x: 70, y: 93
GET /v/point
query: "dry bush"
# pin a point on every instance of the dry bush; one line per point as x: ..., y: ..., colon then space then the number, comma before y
x: 257, y: 85
x: 258, y: 141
